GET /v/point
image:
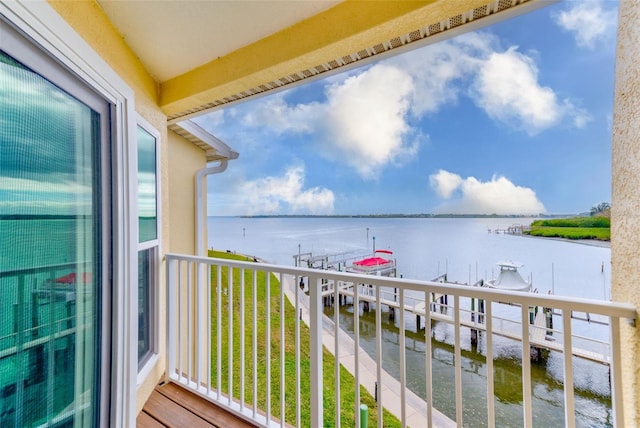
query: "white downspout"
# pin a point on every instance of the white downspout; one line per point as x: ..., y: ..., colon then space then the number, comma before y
x: 200, y: 201
x: 200, y: 176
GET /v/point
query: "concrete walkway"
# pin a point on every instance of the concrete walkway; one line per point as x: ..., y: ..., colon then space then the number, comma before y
x: 416, y: 408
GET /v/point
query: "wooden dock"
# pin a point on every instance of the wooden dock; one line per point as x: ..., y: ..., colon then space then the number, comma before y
x: 539, y: 332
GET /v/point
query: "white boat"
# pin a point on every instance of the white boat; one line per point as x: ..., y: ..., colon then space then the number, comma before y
x: 509, y: 278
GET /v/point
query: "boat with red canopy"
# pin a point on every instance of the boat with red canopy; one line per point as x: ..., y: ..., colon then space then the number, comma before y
x: 380, y: 263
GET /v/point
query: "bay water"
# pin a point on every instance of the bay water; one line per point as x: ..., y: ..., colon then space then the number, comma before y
x: 467, y: 249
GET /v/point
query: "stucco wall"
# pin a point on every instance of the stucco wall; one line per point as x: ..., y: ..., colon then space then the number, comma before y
x: 625, y: 213
x: 183, y: 162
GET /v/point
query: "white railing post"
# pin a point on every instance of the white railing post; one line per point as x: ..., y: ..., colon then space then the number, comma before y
x: 616, y: 372
x: 190, y: 324
x: 457, y: 358
x: 427, y: 353
x: 569, y: 407
x: 201, y: 324
x: 403, y: 370
x: 379, y: 356
x: 230, y: 333
x: 491, y: 412
x: 298, y: 318
x: 315, y: 330
x: 336, y: 352
x: 171, y: 317
x: 356, y: 351
x: 526, y: 368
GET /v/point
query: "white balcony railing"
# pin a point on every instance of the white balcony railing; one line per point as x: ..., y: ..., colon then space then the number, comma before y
x: 246, y: 336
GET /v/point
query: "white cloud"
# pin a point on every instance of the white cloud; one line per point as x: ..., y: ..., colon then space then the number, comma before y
x: 438, y: 71
x: 280, y: 117
x: 497, y: 196
x: 365, y: 118
x: 589, y: 22
x: 362, y: 123
x: 507, y: 88
x: 445, y: 183
x: 285, y: 194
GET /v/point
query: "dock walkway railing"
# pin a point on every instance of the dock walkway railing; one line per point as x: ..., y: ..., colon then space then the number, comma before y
x: 236, y: 339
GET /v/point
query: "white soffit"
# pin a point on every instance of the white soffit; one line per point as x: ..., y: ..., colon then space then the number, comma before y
x: 194, y: 32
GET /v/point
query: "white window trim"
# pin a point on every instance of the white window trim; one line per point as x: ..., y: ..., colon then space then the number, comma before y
x: 154, y: 316
x: 41, y: 23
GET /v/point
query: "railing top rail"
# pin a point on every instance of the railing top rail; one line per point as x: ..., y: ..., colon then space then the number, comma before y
x: 611, y: 309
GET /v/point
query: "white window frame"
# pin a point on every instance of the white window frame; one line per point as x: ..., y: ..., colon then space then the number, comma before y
x: 154, y: 280
x: 40, y: 23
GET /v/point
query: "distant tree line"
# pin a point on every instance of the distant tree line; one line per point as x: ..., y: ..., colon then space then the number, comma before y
x: 603, y: 209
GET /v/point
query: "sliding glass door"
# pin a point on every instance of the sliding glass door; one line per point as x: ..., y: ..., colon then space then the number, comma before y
x: 54, y: 242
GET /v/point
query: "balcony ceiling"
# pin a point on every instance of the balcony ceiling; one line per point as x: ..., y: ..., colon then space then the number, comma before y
x: 195, y: 32
x: 206, y: 54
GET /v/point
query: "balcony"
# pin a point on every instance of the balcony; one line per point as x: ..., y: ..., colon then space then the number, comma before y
x: 218, y: 347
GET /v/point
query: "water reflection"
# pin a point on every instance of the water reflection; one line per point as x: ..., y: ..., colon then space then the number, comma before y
x: 592, y: 392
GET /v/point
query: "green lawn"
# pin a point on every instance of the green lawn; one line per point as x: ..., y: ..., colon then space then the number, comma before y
x: 347, y: 383
x: 573, y: 228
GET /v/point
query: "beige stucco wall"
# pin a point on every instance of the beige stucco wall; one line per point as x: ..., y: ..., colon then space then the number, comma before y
x: 184, y: 160
x: 625, y: 213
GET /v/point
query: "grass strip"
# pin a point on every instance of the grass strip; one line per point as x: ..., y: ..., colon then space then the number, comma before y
x: 600, y: 233
x: 588, y: 222
x: 347, y: 381
x: 573, y: 228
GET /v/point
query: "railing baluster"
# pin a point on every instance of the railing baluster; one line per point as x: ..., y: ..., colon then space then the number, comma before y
x: 336, y: 339
x: 282, y: 355
x: 230, y: 338
x: 219, y: 330
x: 268, y: 339
x: 491, y: 413
x: 526, y: 368
x: 241, y: 334
x: 255, y: 344
x: 427, y: 354
x: 379, y: 356
x: 297, y: 317
x: 315, y: 340
x: 356, y: 348
x: 209, y: 353
x: 569, y: 408
x: 171, y: 317
x: 403, y: 370
x: 457, y: 359
x: 190, y: 322
x: 200, y: 322
x: 180, y: 324
x: 616, y: 373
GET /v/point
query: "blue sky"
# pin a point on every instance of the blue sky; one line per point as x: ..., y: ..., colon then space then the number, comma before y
x: 511, y: 119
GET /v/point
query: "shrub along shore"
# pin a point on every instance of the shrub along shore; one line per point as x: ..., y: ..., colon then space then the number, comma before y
x: 598, y: 228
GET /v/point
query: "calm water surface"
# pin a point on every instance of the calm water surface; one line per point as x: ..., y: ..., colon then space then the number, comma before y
x: 425, y: 248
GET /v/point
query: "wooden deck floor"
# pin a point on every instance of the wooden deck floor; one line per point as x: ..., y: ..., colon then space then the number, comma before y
x: 170, y: 405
